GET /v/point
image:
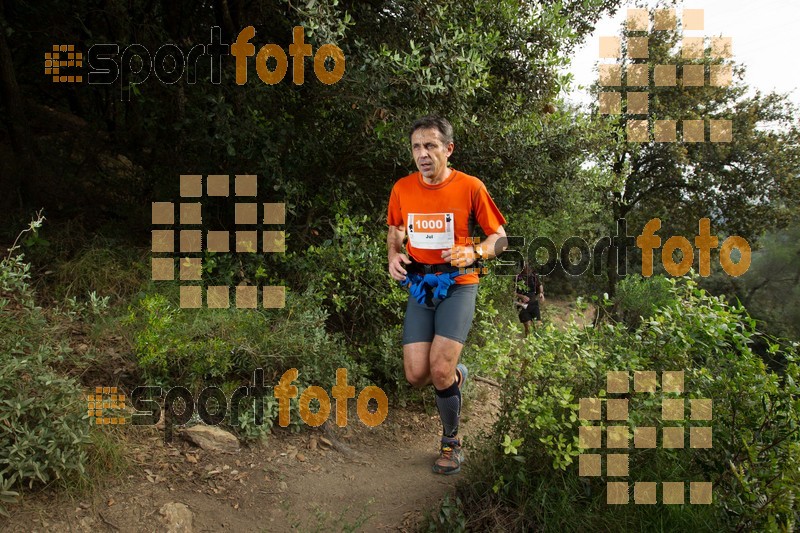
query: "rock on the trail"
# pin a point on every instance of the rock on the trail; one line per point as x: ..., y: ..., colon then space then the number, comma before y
x: 212, y: 438
x: 177, y: 517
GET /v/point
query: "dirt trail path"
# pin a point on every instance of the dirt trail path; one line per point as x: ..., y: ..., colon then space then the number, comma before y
x: 293, y: 482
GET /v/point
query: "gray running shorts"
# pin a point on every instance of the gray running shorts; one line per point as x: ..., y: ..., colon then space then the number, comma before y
x: 451, y: 317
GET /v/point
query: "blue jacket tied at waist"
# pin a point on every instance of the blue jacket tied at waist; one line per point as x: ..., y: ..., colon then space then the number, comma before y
x: 424, y: 288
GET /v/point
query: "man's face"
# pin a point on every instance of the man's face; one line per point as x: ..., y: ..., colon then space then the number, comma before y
x: 430, y: 153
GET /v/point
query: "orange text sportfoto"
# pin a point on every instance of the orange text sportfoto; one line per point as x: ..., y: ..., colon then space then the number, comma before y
x: 299, y: 50
x: 341, y: 392
x: 704, y: 242
x: 575, y: 255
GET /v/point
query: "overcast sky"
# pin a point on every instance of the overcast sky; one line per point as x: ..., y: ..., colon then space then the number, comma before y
x: 765, y: 33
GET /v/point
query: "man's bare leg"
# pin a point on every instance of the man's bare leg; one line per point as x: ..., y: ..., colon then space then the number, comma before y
x: 527, y: 327
x: 416, y: 363
x: 444, y: 355
x: 435, y: 363
x: 425, y: 362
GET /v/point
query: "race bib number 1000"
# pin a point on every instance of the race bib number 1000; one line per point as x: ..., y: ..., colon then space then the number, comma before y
x: 431, y: 231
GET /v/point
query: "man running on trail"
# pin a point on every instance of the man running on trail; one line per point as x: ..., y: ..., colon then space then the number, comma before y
x: 529, y: 292
x: 437, y: 208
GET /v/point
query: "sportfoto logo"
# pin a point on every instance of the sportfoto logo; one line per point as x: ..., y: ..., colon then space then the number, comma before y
x: 170, y: 63
x: 576, y: 256
x: 617, y: 437
x: 191, y: 243
x: 107, y: 405
x: 638, y: 77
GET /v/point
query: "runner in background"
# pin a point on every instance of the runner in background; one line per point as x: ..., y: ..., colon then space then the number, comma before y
x: 529, y: 292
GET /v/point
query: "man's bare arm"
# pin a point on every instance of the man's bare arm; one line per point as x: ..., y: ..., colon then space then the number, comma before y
x: 491, y: 247
x: 394, y: 244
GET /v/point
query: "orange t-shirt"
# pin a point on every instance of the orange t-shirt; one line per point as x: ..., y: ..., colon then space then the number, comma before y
x: 438, y: 216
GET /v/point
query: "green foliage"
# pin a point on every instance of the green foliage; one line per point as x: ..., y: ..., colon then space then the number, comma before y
x: 491, y: 339
x: 348, y: 274
x: 43, y: 427
x: 492, y: 67
x: 449, y: 516
x: 163, y: 354
x: 249, y: 431
x: 14, y: 276
x: 45, y: 424
x: 94, y: 306
x: 44, y: 432
x: 743, y: 186
x: 15, y: 273
x: 6, y: 496
x: 184, y: 347
x: 384, y: 358
x: 753, y: 463
x: 177, y: 346
x: 638, y: 298
x: 770, y: 289
x: 101, y: 266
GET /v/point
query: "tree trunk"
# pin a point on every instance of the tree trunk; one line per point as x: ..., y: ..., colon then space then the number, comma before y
x: 225, y: 20
x: 612, y: 265
x: 619, y: 210
x: 17, y: 123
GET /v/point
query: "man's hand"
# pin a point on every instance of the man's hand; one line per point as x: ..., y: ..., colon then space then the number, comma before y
x: 541, y: 297
x: 464, y: 255
x: 525, y: 299
x: 460, y: 256
x: 397, y: 259
x: 396, y: 264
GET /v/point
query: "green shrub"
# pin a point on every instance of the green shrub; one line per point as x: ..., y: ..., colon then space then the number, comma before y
x: 190, y: 347
x: 44, y: 431
x: 495, y: 327
x: 15, y: 273
x: 14, y: 278
x: 43, y: 427
x: 43, y: 420
x: 246, y: 427
x: 6, y: 495
x: 638, y: 298
x: 527, y: 478
x: 101, y: 266
x: 386, y: 356
x: 448, y: 517
x: 350, y: 278
x: 196, y: 349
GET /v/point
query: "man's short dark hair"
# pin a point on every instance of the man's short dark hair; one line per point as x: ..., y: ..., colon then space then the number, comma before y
x: 436, y: 123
